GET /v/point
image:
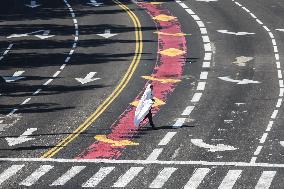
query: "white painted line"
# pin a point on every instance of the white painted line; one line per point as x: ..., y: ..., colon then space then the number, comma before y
x: 238, y: 4
x: 208, y: 56
x: 72, y: 51
x: 279, y: 103
x: 189, y: 11
x: 73, y: 15
x: 203, y: 75
x: 1, y: 57
x: 266, y: 28
x: 281, y: 93
x: 98, y: 177
x: 5, y: 52
x: 10, y: 172
x: 273, y: 42
x: 10, y: 46
x: 274, y: 114
x: 76, y: 39
x: 253, y: 15
x: 263, y: 138
x: 196, y: 97
x: 230, y: 179
x: 271, y: 35
x: 48, y: 81
x: 35, y: 176
x: 206, y: 65
x: 63, y: 66
x: 275, y: 49
x: 75, y: 21
x: 56, y: 74
x: 195, y: 17
x: 257, y: 151
x: 277, y: 56
x: 253, y: 160
x: 207, y: 47
x: 203, y: 31
x: 281, y: 84
x: 155, y: 154
x: 68, y: 175
x: 265, y: 180
x: 269, y: 126
x: 26, y: 101
x: 37, y: 91
x: 201, y: 25
x: 278, y: 65
x: 201, y: 86
x: 12, y: 112
x: 144, y: 162
x: 258, y: 21
x: 66, y: 60
x: 162, y: 177
x: 127, y: 177
x: 183, y: 5
x: 179, y: 122
x: 280, y: 74
x: 188, y: 110
x: 197, y: 177
x: 167, y: 138
x: 205, y: 38
x: 74, y: 45
x: 77, y: 31
x: 246, y: 9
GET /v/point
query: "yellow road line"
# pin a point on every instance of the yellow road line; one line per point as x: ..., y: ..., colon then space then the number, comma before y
x: 114, y: 94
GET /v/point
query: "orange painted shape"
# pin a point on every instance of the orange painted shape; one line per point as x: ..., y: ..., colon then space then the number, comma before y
x: 163, y: 17
x: 162, y: 80
x: 172, y: 52
x: 158, y: 102
x: 117, y: 143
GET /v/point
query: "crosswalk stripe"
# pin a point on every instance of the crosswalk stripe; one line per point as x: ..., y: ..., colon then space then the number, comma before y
x: 98, y: 177
x: 196, y: 178
x: 127, y: 177
x: 230, y: 179
x: 162, y: 177
x: 68, y: 175
x: 35, y: 176
x: 265, y: 180
x: 10, y: 172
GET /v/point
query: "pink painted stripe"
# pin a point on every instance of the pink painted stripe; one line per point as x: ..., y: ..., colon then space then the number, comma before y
x: 166, y: 67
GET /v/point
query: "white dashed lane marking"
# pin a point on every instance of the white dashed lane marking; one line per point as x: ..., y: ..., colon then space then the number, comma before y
x: 55, y: 75
x: 281, y: 84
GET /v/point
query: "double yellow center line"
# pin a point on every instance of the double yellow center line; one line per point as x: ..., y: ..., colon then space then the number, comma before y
x: 130, y: 71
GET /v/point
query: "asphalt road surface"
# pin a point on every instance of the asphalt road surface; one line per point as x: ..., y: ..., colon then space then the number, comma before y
x: 73, y: 71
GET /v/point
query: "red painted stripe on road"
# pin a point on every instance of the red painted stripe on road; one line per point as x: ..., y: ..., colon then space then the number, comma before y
x: 166, y: 67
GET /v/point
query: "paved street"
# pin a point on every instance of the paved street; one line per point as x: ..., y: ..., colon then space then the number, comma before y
x: 72, y: 73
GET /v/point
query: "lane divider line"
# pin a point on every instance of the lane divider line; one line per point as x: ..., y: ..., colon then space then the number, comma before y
x: 74, y: 45
x: 204, y: 73
x: 125, y: 80
x: 168, y: 68
x: 281, y: 85
x: 6, y: 51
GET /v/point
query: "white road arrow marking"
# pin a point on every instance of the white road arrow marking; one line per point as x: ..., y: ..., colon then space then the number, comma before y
x: 282, y: 30
x: 239, y: 82
x: 12, y: 141
x: 15, y: 77
x: 242, y: 60
x: 88, y: 78
x: 95, y: 3
x: 107, y: 34
x: 33, y: 4
x: 212, y: 148
x: 235, y: 33
x: 44, y: 34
